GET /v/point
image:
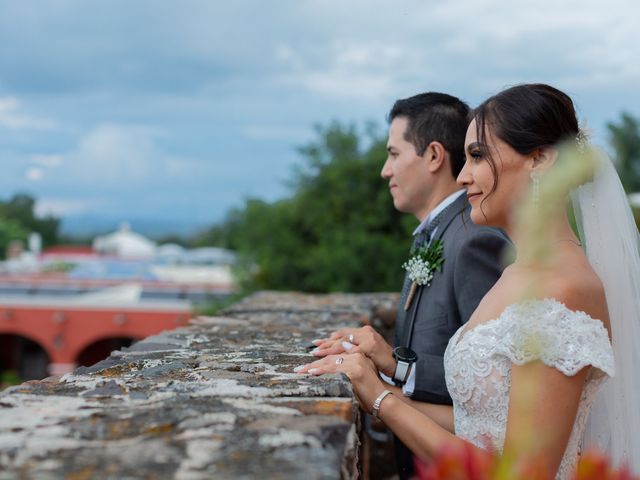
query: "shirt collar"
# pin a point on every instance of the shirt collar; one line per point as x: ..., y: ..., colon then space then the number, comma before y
x: 439, y: 208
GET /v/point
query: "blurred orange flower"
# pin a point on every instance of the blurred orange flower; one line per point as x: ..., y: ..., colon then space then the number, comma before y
x: 470, y: 463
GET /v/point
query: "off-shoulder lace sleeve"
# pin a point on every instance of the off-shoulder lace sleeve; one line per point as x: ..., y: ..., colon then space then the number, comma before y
x: 564, y: 339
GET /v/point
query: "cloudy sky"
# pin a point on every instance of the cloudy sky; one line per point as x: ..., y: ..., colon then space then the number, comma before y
x: 175, y: 111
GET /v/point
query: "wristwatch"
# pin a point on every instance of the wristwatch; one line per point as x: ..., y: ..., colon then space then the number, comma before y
x: 405, y: 358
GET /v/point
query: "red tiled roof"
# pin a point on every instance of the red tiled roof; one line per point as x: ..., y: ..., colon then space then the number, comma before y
x: 69, y: 250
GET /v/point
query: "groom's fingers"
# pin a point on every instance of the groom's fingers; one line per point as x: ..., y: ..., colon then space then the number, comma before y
x: 343, y: 332
x: 348, y: 347
x: 335, y: 343
x: 336, y: 334
x: 339, y: 340
x: 323, y: 346
x: 333, y: 349
x: 326, y: 344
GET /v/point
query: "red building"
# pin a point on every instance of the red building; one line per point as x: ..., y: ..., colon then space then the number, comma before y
x: 42, y: 336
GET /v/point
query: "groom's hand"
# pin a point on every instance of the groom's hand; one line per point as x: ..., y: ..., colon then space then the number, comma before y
x: 363, y: 340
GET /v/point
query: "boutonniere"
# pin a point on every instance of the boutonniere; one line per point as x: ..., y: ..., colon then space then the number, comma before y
x: 422, y: 265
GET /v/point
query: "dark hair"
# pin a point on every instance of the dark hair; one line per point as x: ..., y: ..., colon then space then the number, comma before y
x: 526, y: 117
x: 436, y: 117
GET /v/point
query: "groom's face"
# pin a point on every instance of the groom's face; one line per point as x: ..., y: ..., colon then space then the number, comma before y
x: 407, y: 172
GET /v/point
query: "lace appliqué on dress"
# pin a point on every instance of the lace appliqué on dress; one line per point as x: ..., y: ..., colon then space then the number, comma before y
x: 478, y: 367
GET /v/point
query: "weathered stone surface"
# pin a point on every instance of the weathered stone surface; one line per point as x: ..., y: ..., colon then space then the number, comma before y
x: 217, y: 399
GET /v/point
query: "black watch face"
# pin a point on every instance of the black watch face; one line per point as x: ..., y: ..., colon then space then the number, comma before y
x: 405, y: 354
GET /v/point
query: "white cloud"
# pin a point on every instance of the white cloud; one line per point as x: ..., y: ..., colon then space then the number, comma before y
x: 34, y: 174
x: 341, y: 69
x: 60, y: 207
x: 13, y: 117
x: 183, y: 112
x: 277, y: 132
x: 49, y: 161
x: 117, y: 157
x: 117, y: 153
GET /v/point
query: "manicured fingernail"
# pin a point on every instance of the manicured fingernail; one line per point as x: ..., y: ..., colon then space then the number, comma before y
x: 317, y: 341
x: 313, y: 370
x: 315, y: 351
x: 298, y: 368
x: 347, y: 345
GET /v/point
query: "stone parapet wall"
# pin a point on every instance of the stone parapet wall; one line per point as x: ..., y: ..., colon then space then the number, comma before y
x: 217, y: 399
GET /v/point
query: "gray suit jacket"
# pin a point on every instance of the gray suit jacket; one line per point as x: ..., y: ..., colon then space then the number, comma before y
x: 472, y: 264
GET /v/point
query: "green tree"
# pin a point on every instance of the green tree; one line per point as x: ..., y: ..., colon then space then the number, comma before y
x: 10, y: 231
x: 19, y: 212
x: 338, y: 231
x: 624, y: 137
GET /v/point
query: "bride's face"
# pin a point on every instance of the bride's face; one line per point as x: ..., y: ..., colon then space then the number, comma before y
x: 496, y: 178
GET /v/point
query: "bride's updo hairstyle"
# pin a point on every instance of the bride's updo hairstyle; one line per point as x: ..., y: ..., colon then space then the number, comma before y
x: 526, y: 117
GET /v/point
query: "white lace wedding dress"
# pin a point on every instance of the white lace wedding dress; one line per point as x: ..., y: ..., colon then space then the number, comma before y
x: 478, y: 367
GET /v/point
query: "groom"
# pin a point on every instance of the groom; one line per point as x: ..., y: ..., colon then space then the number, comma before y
x: 425, y: 155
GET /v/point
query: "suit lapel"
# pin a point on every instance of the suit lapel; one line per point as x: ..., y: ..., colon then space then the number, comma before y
x: 457, y: 206
x: 452, y: 211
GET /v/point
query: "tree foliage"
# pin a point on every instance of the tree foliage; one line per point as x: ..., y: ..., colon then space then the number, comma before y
x: 624, y: 137
x: 10, y: 231
x: 18, y: 219
x: 337, y: 231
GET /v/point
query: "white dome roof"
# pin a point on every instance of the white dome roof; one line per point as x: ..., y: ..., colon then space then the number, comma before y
x: 125, y: 243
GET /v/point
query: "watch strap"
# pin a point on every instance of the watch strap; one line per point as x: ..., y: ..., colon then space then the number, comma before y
x: 402, y: 371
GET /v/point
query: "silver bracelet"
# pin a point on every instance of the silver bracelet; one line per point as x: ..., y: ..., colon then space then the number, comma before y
x: 376, y: 405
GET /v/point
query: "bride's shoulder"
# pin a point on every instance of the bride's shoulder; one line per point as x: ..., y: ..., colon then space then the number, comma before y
x: 579, y: 290
x: 568, y: 321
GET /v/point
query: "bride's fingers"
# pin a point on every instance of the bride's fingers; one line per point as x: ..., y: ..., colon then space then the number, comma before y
x: 304, y: 368
x: 330, y: 364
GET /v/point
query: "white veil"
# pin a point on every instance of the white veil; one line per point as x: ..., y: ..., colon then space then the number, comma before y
x: 610, y: 237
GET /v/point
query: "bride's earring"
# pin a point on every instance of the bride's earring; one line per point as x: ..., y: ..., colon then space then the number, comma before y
x: 535, y: 187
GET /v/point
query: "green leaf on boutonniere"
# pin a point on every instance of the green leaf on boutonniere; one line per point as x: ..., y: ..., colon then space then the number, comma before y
x: 422, y: 265
x: 424, y: 262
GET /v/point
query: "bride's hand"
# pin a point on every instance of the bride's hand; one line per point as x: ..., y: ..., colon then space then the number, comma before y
x: 360, y: 370
x: 359, y: 340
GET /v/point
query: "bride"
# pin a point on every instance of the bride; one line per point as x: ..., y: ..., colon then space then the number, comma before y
x: 528, y: 367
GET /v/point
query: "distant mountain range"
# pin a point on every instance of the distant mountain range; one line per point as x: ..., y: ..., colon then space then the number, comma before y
x: 85, y: 226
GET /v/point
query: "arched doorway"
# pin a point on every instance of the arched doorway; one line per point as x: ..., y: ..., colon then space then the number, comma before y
x: 101, y: 349
x: 21, y: 359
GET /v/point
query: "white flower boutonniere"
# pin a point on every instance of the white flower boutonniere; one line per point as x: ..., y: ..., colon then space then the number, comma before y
x: 422, y: 265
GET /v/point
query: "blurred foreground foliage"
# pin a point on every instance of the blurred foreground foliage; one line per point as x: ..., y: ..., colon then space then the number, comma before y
x: 337, y: 231
x: 467, y: 462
